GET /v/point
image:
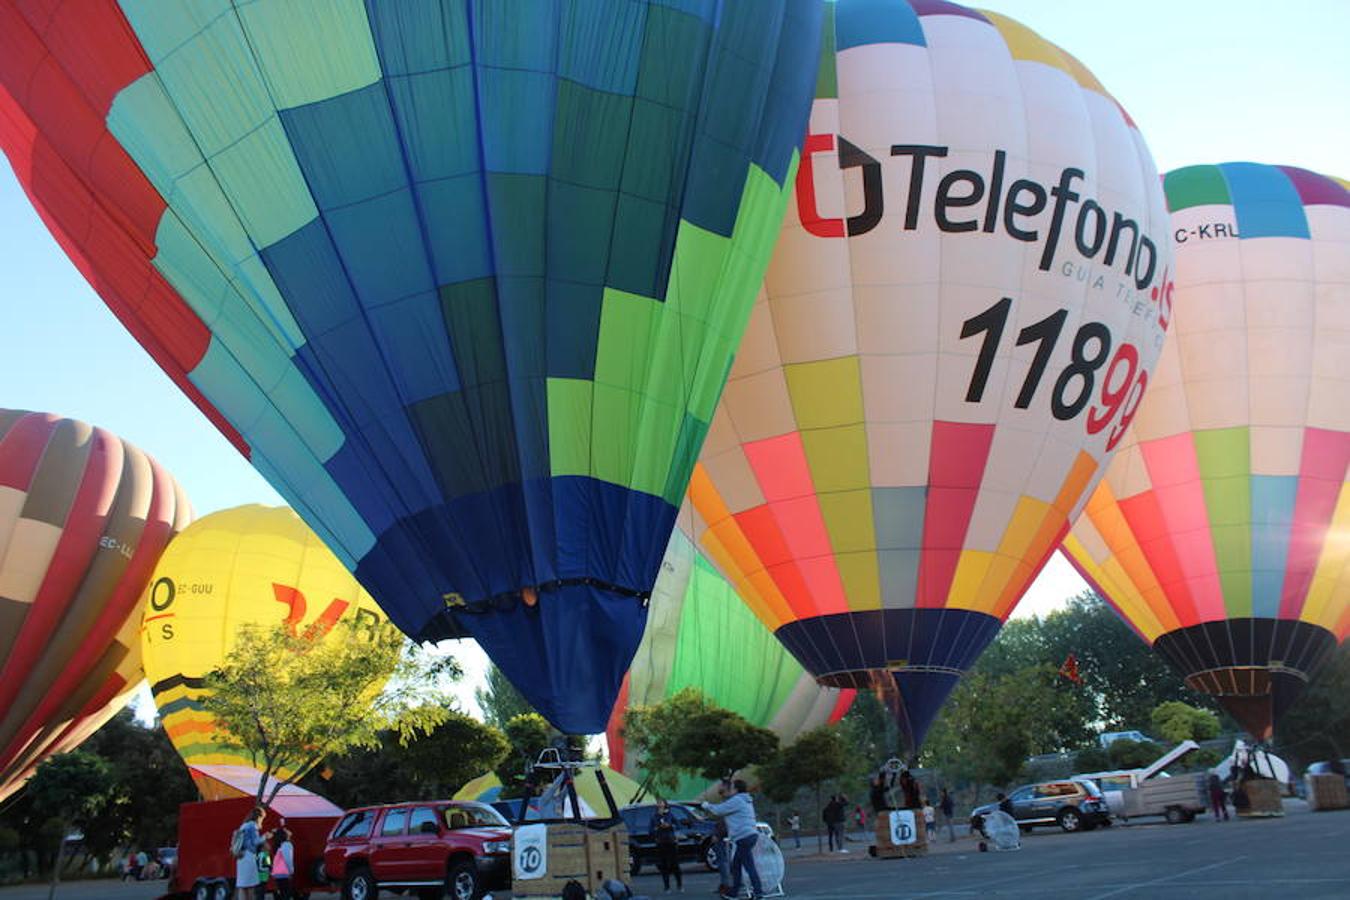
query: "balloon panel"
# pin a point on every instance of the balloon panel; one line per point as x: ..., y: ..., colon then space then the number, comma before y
x: 84, y: 517
x: 1219, y: 532
x: 463, y: 281
x: 247, y: 566
x: 700, y: 635
x: 964, y: 306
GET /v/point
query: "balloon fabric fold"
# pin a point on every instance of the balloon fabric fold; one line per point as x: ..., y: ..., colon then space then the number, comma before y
x: 1221, y: 532
x: 461, y: 278
x: 963, y: 309
x: 84, y: 517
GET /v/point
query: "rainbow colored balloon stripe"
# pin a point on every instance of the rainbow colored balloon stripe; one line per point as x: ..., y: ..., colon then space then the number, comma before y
x: 1227, y: 511
x: 461, y: 279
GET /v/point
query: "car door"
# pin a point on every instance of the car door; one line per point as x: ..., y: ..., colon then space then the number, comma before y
x: 1023, y: 803
x: 420, y: 858
x: 387, y: 844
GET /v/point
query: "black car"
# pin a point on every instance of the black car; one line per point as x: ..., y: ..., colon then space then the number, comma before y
x: 695, y: 833
x: 1073, y: 805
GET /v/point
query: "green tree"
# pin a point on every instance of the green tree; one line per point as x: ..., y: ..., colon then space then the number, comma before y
x: 992, y: 723
x: 1317, y: 726
x: 1127, y: 754
x: 70, y: 789
x: 499, y: 699
x: 688, y: 734
x: 151, y: 783
x: 870, y: 731
x: 1176, y: 722
x: 292, y: 700
x: 527, y: 735
x: 814, y: 758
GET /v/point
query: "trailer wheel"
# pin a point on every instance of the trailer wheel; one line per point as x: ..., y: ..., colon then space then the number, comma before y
x: 1175, y: 815
x: 201, y: 890
x: 221, y: 890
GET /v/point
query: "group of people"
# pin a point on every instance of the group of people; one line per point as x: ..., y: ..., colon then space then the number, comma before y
x: 903, y: 791
x: 736, y: 825
x: 260, y: 857
x: 140, y: 866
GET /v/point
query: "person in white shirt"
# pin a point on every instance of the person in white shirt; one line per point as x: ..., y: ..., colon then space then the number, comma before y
x: 739, y: 812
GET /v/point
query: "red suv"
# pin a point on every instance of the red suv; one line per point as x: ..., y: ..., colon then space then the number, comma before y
x: 433, y: 850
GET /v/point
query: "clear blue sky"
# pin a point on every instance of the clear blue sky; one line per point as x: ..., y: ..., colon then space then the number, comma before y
x: 1206, y: 80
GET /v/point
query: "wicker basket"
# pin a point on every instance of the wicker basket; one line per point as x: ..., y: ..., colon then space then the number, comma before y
x: 1263, y: 798
x: 888, y: 849
x: 1327, y: 791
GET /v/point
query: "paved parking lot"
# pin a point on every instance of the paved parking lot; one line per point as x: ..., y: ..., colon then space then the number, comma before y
x: 1303, y: 854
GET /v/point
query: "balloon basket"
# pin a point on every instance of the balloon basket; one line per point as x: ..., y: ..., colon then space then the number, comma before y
x: 580, y: 853
x: 1327, y: 792
x: 1263, y: 799
x: 888, y: 848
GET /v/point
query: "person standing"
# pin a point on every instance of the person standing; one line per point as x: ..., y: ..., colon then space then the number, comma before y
x: 739, y: 812
x: 948, y: 809
x: 246, y: 876
x: 667, y: 846
x: 795, y: 826
x: 283, y: 863
x: 1217, y: 802
x: 834, y: 823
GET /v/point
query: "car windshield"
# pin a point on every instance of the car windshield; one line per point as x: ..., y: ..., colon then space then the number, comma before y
x: 473, y: 817
x: 695, y: 812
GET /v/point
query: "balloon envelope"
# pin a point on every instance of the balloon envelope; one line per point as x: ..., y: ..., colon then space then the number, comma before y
x: 247, y: 566
x: 84, y: 517
x: 700, y: 635
x: 462, y: 280
x: 960, y: 316
x: 1221, y: 533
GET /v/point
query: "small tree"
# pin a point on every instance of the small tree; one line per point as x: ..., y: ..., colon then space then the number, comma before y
x: 1176, y: 722
x: 1127, y: 754
x: 688, y: 734
x: 810, y: 761
x: 499, y: 699
x: 70, y: 789
x: 290, y: 700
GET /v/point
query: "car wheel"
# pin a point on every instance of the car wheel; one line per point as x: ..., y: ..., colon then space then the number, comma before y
x: 710, y: 856
x: 360, y: 885
x: 1175, y: 815
x: 462, y: 882
x: 1070, y: 820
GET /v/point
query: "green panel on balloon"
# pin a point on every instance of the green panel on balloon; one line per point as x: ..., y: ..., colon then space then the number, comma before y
x: 1224, y: 458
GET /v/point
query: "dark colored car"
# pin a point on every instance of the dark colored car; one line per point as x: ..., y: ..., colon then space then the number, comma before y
x: 1073, y: 805
x: 695, y: 835
x: 435, y: 849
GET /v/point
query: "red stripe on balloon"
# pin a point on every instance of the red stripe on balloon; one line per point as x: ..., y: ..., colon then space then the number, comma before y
x: 614, y: 728
x: 1174, y: 470
x: 842, y: 705
x: 1145, y: 519
x: 1321, y: 474
x: 76, y: 546
x: 959, y: 452
x: 21, y: 449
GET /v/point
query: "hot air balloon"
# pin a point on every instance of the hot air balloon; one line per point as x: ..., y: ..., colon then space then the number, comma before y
x: 700, y: 635
x: 1221, y: 532
x: 958, y: 322
x: 84, y: 517
x: 247, y: 566
x: 462, y: 280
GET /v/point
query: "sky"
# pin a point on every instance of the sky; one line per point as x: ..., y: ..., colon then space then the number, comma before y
x: 1206, y: 81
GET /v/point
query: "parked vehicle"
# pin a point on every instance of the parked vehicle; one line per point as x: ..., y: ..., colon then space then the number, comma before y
x: 695, y: 835
x: 203, y: 868
x: 168, y: 860
x: 1106, y: 739
x: 1073, y: 805
x: 453, y: 848
x: 1148, y: 792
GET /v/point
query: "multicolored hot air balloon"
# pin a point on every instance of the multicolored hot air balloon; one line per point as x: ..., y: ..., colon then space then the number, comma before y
x: 1221, y: 533
x: 84, y: 517
x: 699, y: 634
x: 462, y: 280
x: 960, y: 317
x: 250, y: 565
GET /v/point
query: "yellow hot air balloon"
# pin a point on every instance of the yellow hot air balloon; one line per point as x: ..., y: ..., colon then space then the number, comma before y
x: 250, y: 565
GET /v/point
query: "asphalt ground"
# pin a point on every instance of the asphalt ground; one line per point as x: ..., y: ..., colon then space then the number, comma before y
x: 1303, y: 855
